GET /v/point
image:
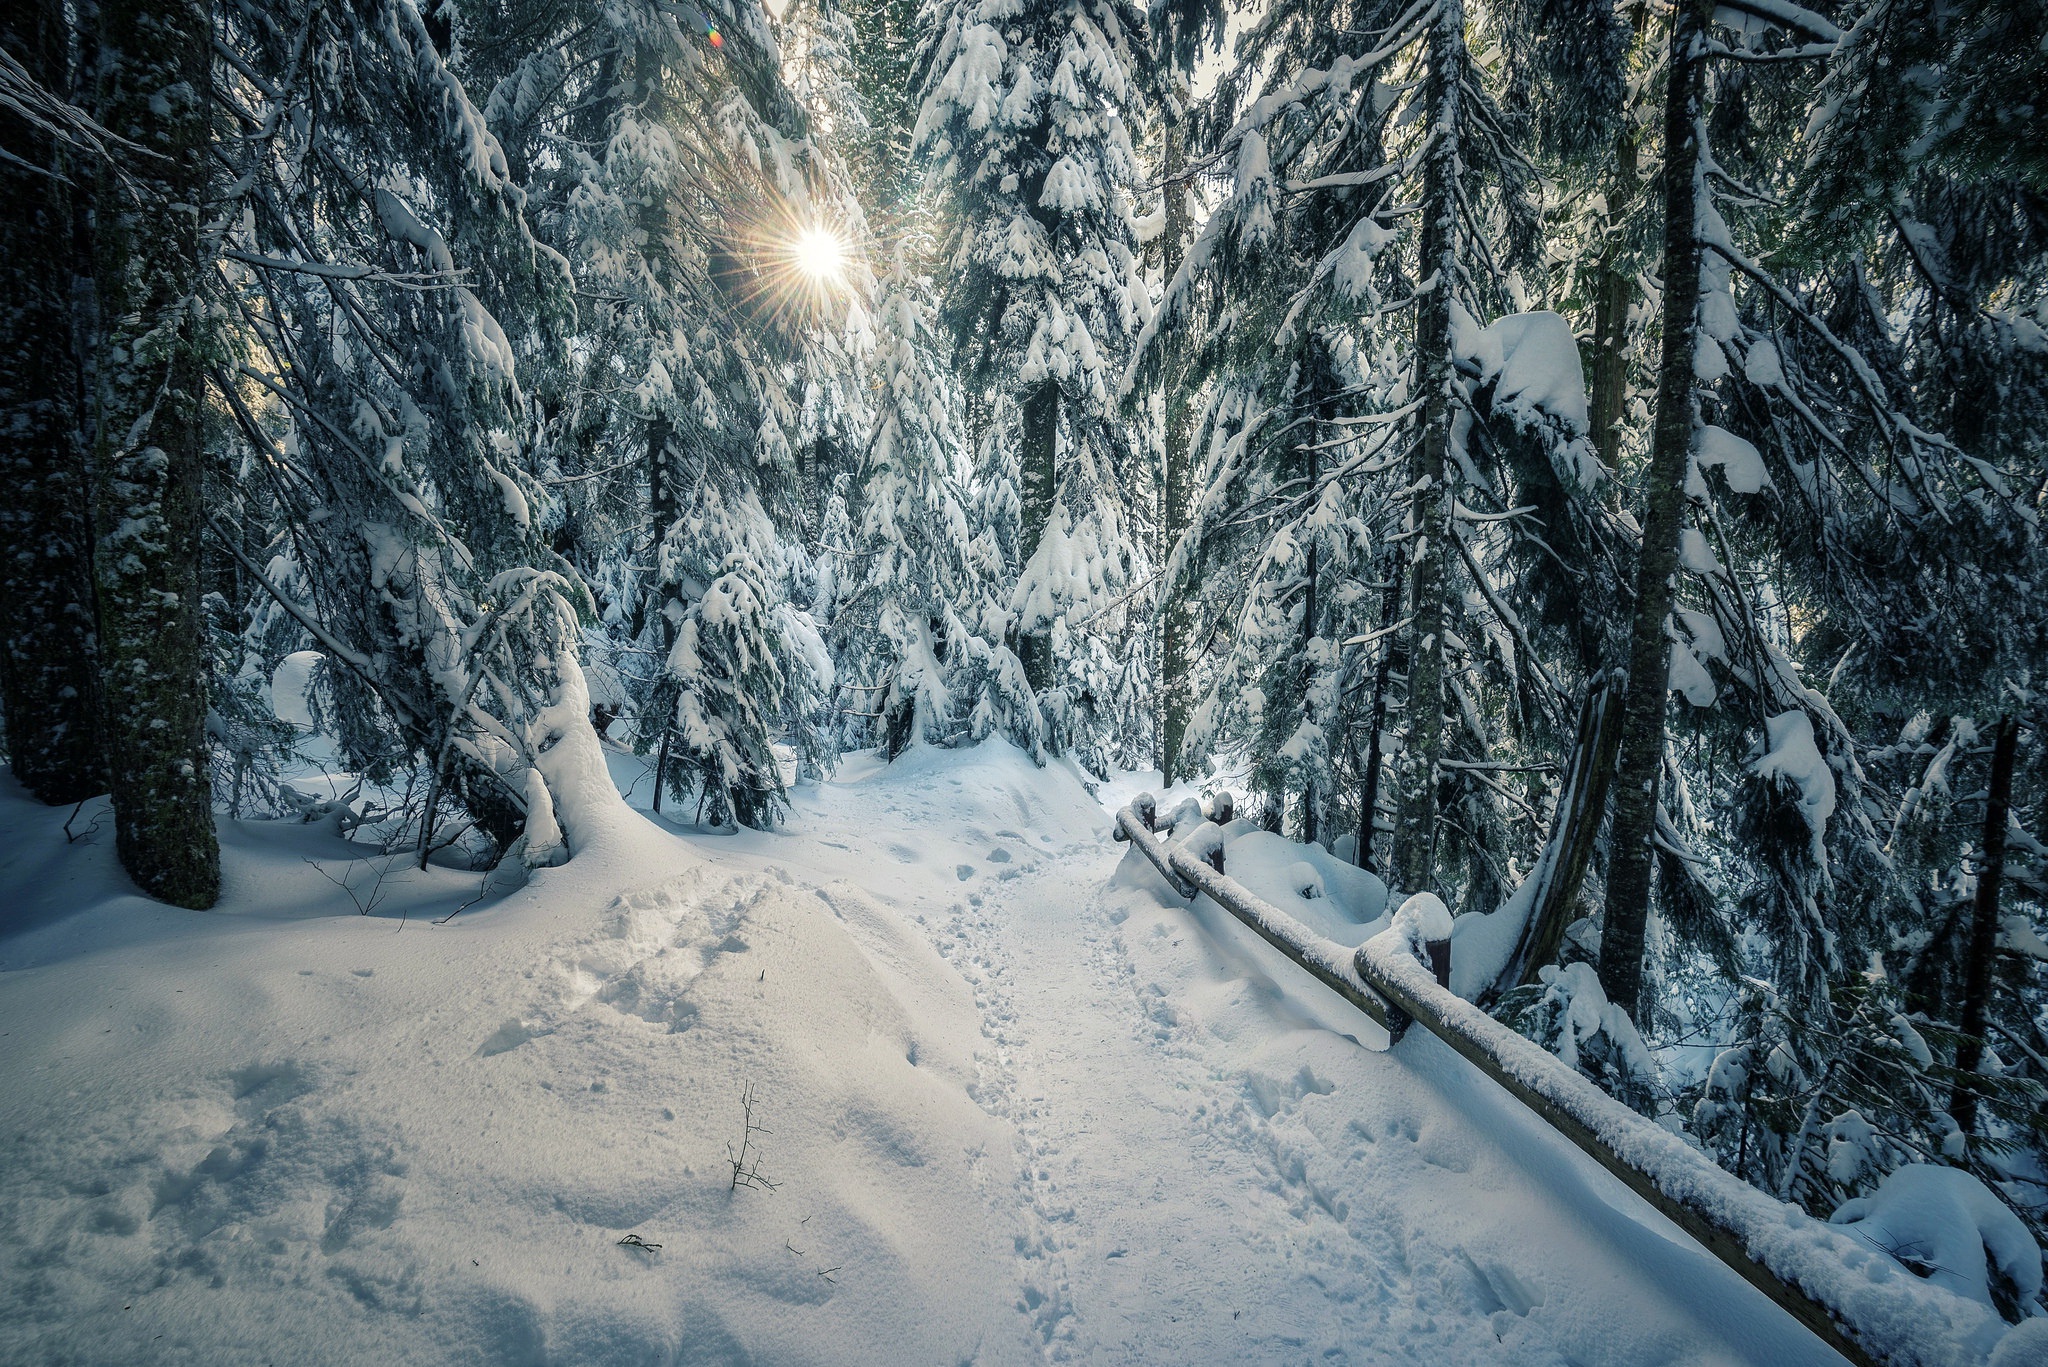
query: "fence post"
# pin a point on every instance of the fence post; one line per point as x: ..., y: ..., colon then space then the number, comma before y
x: 1424, y: 924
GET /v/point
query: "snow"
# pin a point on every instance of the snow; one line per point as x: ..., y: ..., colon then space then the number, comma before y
x: 1690, y: 677
x: 1351, y: 264
x: 1533, y: 361
x: 1535, y: 358
x: 1695, y: 554
x: 1349, y: 904
x: 1950, y: 1227
x: 291, y: 685
x: 1739, y: 461
x: 1022, y: 1104
x: 1792, y: 758
x: 1584, y: 1013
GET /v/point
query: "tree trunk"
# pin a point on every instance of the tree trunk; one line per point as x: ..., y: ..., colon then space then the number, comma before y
x: 1315, y: 400
x: 1369, y: 790
x: 1176, y: 630
x: 1041, y: 420
x: 1430, y: 476
x: 47, y: 639
x: 1614, y: 292
x: 1649, y: 655
x: 2005, y: 746
x: 154, y: 90
x: 661, y: 515
x: 1580, y: 805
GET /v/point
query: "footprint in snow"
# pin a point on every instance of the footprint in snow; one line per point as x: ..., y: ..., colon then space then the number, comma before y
x: 965, y: 871
x: 999, y: 855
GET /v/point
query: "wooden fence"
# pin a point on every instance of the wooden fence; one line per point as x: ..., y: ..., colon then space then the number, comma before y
x: 1396, y: 982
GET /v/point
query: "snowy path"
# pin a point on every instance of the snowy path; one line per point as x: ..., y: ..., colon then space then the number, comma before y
x: 1209, y: 1170
x: 1021, y: 1108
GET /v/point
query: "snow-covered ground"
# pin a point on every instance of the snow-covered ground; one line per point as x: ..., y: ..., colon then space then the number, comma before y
x: 1018, y: 1102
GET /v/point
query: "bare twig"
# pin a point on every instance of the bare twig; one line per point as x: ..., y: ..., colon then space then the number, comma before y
x: 746, y: 1162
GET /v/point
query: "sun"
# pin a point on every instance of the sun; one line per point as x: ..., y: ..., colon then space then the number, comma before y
x: 820, y: 254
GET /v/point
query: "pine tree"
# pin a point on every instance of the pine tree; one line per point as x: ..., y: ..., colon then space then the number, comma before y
x: 727, y: 394
x: 915, y: 608
x: 380, y: 242
x: 1306, y: 253
x: 47, y: 653
x: 1023, y: 119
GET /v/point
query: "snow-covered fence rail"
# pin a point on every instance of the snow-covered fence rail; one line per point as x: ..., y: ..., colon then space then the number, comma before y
x: 1188, y: 875
x: 1817, y: 1274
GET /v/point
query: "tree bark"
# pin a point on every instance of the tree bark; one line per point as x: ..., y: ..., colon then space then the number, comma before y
x: 1039, y: 478
x: 1429, y: 519
x: 48, y: 643
x: 150, y: 457
x: 1176, y: 630
x: 1569, y: 853
x: 1649, y: 657
x: 1369, y: 789
x: 1614, y: 292
x: 1984, y: 923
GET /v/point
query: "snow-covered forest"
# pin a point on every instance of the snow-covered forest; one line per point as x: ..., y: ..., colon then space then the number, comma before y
x: 522, y: 515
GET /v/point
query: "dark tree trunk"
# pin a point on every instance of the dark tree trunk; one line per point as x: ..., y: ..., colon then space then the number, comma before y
x: 1369, y: 788
x: 1649, y: 656
x: 661, y: 514
x: 154, y: 90
x: 1041, y: 420
x: 1580, y: 805
x: 1314, y: 399
x: 2005, y: 746
x: 1430, y: 467
x: 1176, y: 630
x: 48, y: 644
x: 1614, y: 292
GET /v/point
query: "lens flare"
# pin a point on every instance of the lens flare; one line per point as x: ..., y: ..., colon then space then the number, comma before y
x: 820, y: 254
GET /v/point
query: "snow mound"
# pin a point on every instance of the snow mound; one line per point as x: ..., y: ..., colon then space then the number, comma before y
x: 286, y: 1132
x: 1347, y: 904
x: 1946, y: 1225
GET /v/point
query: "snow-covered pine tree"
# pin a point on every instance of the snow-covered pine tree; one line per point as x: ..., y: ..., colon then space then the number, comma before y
x: 378, y: 241
x: 913, y: 625
x: 47, y: 636
x: 154, y: 88
x: 1305, y: 251
x: 1936, y: 199
x: 1024, y: 118
x: 1813, y: 487
x: 725, y: 392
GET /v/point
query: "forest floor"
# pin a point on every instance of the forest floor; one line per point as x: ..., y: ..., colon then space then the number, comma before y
x: 1020, y: 1104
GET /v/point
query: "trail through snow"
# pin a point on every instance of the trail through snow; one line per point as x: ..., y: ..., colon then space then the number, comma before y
x: 1022, y: 1105
x: 1209, y: 1165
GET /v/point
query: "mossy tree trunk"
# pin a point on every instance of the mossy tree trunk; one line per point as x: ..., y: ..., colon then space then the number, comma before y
x: 150, y: 429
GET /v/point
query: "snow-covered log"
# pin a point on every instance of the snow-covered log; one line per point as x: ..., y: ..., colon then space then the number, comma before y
x: 1863, y: 1305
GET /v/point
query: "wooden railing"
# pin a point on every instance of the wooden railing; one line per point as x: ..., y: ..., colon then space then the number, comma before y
x: 1396, y: 980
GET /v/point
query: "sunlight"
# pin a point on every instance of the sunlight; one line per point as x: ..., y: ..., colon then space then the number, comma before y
x: 820, y: 254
